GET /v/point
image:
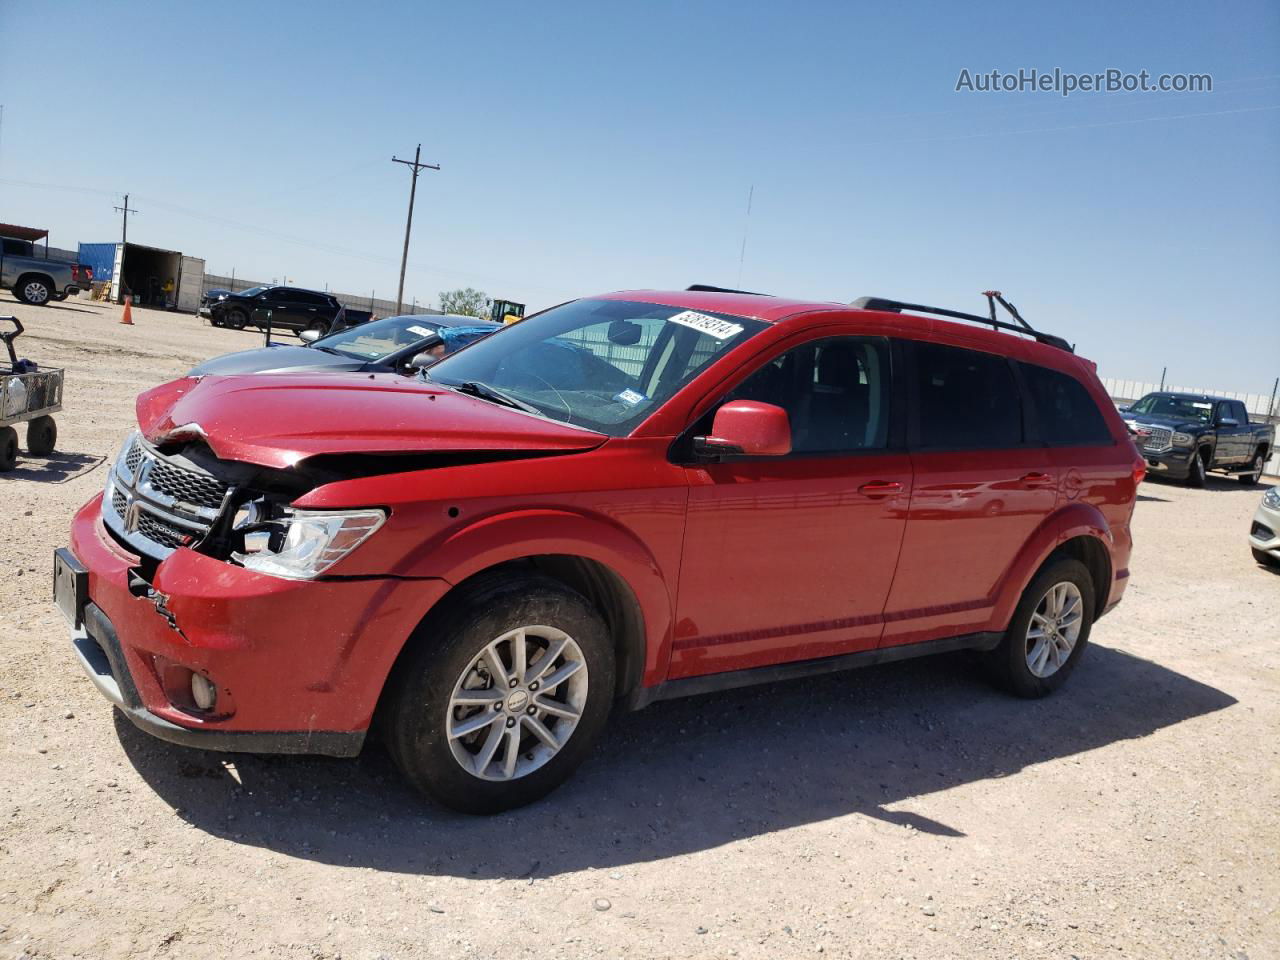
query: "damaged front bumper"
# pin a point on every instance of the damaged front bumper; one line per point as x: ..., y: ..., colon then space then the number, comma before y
x: 293, y: 666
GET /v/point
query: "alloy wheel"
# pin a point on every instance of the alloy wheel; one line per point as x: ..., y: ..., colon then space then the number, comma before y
x: 517, y: 703
x: 1054, y: 629
x: 35, y: 292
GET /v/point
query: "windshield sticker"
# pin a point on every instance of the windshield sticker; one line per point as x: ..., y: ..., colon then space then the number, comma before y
x: 1202, y: 406
x: 631, y: 397
x: 420, y: 331
x: 711, y: 326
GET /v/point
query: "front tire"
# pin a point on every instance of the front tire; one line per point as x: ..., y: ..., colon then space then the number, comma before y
x: 33, y: 291
x: 235, y: 319
x: 1049, y: 630
x: 42, y: 435
x: 501, y: 695
x: 1196, y: 470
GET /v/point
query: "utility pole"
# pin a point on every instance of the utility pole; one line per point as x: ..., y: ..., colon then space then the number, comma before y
x: 124, y: 240
x: 417, y: 166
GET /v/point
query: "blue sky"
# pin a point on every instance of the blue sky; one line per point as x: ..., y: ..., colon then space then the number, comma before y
x: 591, y: 147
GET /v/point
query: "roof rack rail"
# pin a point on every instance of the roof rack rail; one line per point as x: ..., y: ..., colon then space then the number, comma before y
x: 993, y: 297
x: 707, y: 288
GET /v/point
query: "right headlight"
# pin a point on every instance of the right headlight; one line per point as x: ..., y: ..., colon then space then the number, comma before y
x: 302, y: 544
x: 1272, y: 498
x: 1181, y: 439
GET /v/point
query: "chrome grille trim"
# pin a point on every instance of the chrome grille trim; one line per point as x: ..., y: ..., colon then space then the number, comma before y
x: 156, y: 506
x: 1154, y: 439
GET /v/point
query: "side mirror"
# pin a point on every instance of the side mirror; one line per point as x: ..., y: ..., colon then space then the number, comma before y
x: 309, y: 336
x: 746, y: 428
x: 1228, y: 422
x: 1124, y: 409
x: 420, y: 361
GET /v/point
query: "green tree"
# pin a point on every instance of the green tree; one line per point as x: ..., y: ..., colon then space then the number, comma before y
x: 468, y: 302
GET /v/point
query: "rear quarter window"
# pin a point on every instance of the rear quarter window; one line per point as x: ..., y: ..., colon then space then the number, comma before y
x: 1065, y: 411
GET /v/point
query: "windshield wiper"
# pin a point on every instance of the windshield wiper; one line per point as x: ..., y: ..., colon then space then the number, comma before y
x: 485, y: 392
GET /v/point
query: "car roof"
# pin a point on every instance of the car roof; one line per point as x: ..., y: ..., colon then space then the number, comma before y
x: 1185, y: 396
x: 775, y: 309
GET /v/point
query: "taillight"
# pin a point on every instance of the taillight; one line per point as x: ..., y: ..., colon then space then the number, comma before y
x: 88, y: 273
x: 1139, y: 472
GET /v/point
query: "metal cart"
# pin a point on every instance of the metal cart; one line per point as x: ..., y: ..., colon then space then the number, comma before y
x: 27, y: 394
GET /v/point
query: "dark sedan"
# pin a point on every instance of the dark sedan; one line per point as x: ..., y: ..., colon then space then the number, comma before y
x: 389, y: 345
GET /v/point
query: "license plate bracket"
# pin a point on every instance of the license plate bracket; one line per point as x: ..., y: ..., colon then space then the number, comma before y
x: 70, y: 586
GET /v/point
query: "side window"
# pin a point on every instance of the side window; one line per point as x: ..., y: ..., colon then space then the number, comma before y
x: 15, y: 248
x: 836, y: 393
x: 966, y: 400
x: 1065, y: 412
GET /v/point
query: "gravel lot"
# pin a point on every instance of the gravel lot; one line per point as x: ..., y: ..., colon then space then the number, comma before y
x: 901, y: 811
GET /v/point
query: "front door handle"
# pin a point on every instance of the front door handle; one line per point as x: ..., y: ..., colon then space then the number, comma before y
x: 1036, y: 480
x: 880, y: 488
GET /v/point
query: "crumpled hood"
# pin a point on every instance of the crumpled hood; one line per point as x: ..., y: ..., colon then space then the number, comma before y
x: 280, y: 359
x: 277, y: 420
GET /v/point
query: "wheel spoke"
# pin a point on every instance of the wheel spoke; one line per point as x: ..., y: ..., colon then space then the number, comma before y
x: 476, y: 698
x: 497, y: 667
x: 1035, y: 659
x: 546, y: 661
x: 560, y: 675
x: 542, y: 733
x: 519, y: 655
x: 556, y: 709
x: 485, y: 756
x: 512, y: 755
x: 472, y: 723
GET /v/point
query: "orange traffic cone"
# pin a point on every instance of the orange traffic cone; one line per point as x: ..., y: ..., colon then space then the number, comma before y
x: 127, y: 316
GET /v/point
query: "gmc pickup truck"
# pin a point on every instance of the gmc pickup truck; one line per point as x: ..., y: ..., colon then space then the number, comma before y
x: 36, y: 280
x: 1185, y: 435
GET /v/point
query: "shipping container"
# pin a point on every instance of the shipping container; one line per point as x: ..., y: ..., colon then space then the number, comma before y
x: 163, y: 279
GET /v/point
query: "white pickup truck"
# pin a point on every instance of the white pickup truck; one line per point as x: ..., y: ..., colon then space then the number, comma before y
x: 37, y: 280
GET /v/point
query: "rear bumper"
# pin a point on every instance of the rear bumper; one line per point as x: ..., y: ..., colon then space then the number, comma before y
x: 298, y: 666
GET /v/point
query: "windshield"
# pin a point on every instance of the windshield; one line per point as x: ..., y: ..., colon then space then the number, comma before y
x: 379, y: 338
x: 601, y: 364
x: 251, y: 292
x: 1175, y: 408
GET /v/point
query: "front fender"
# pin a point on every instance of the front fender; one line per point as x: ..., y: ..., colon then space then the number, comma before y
x: 500, y: 538
x: 1073, y: 520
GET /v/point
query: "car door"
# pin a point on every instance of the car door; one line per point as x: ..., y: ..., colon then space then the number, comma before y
x: 790, y: 558
x: 1233, y: 432
x: 981, y: 488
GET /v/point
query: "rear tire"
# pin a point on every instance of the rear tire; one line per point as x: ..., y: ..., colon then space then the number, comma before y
x: 1254, y: 473
x: 1196, y: 470
x: 1266, y: 559
x: 42, y: 435
x: 8, y: 449
x: 1044, y: 643
x: 451, y: 659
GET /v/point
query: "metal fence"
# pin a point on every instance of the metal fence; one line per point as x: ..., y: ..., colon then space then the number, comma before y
x: 1262, y: 407
x: 376, y: 305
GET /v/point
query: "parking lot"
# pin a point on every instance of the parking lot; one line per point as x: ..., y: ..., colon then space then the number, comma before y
x: 902, y: 811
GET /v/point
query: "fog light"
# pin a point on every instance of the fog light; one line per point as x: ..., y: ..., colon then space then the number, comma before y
x: 203, y: 692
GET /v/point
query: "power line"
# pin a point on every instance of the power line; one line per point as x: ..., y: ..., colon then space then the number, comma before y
x: 417, y: 166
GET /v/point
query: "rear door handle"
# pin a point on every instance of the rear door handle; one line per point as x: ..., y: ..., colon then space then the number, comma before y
x: 880, y: 488
x: 1037, y: 480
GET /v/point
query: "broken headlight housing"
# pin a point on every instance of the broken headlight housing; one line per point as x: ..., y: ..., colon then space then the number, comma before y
x: 301, y: 544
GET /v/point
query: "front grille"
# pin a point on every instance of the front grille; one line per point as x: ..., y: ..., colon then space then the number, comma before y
x: 157, y: 531
x: 1155, y: 439
x: 157, y: 504
x: 187, y: 486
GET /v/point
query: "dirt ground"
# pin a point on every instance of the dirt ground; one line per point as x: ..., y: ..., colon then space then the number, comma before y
x: 901, y: 811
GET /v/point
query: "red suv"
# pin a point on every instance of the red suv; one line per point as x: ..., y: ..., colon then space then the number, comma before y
x: 622, y: 499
